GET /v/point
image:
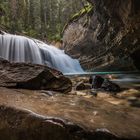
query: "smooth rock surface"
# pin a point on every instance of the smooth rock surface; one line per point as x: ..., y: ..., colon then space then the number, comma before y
x: 32, y: 76
x: 32, y: 115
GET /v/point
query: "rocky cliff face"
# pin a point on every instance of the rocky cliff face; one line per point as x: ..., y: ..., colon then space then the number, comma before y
x: 108, y: 37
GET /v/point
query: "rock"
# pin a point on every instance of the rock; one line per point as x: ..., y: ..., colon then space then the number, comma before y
x: 105, y: 84
x: 103, y: 95
x: 48, y: 93
x: 57, y: 44
x: 107, y: 38
x: 94, y: 92
x: 27, y: 114
x: 97, y: 82
x: 110, y: 86
x: 18, y: 126
x: 80, y: 93
x: 83, y: 86
x: 32, y: 76
x: 2, y: 32
x: 90, y: 79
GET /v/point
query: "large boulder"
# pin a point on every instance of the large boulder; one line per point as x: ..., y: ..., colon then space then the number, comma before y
x: 32, y: 76
x: 83, y: 86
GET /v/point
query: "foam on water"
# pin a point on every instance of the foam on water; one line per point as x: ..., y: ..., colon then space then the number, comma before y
x: 22, y: 49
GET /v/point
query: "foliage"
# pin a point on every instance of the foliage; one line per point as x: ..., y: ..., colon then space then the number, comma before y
x: 42, y: 19
x: 87, y: 9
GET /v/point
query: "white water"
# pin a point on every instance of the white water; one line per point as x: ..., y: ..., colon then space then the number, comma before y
x: 22, y: 49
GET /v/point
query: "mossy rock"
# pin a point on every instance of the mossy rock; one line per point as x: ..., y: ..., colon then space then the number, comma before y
x: 88, y: 9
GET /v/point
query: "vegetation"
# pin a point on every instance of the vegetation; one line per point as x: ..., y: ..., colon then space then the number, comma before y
x: 42, y: 19
x: 85, y: 10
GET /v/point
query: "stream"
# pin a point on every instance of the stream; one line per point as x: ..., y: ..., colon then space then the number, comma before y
x: 130, y: 79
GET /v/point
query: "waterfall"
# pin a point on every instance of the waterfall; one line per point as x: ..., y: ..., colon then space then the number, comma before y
x: 22, y: 49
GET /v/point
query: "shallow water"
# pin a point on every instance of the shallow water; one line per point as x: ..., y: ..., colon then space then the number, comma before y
x: 129, y: 79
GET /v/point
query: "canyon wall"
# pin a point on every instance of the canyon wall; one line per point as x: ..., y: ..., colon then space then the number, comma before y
x: 107, y: 37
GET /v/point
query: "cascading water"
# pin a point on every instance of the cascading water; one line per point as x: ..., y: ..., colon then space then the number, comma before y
x: 22, y: 49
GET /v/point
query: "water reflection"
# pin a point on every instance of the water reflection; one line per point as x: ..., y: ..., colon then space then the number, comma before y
x: 124, y: 79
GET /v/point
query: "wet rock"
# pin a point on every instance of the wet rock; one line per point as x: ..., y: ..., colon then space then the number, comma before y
x: 110, y: 86
x: 94, y: 92
x: 103, y: 95
x: 26, y: 114
x: 32, y: 76
x: 83, y: 86
x: 48, y: 93
x: 2, y: 32
x: 97, y: 82
x: 16, y: 125
x: 80, y: 93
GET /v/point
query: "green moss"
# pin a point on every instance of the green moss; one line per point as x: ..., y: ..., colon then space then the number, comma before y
x: 2, y: 9
x: 31, y: 32
x: 55, y: 37
x: 87, y: 9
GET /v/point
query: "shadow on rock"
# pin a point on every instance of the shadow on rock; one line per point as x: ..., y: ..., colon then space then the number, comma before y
x: 32, y: 76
